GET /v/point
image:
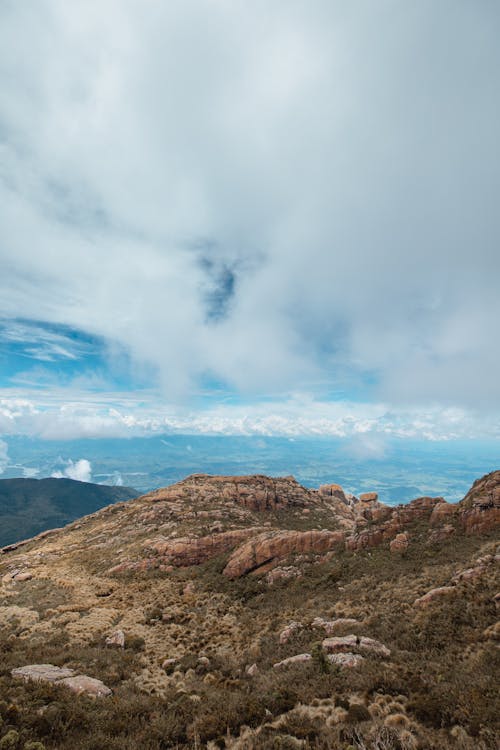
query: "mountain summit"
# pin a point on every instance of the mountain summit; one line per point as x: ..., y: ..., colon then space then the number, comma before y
x: 251, y: 612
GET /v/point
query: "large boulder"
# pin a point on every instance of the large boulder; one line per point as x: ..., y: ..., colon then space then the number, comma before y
x: 62, y: 676
x: 42, y: 673
x: 83, y: 684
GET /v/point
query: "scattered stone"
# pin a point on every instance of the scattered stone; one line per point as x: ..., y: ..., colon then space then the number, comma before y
x: 283, y: 574
x: 116, y: 639
x: 493, y: 631
x: 169, y: 664
x: 289, y: 631
x: 252, y: 670
x: 330, y: 626
x: 26, y: 576
x: 297, y: 659
x: 346, y: 659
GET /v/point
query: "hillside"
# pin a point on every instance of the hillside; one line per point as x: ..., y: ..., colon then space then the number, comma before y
x: 251, y: 612
x: 30, y: 506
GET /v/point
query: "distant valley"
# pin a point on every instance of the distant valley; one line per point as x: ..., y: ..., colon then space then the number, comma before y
x: 30, y: 506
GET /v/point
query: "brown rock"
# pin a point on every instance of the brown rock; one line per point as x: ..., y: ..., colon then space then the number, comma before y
x: 275, y: 546
x: 297, y: 659
x: 289, y: 631
x: 442, y: 512
x: 116, y: 639
x: 434, y: 595
x: 479, y: 511
x: 399, y: 544
x: 186, y: 551
x: 354, y: 642
x: 368, y: 497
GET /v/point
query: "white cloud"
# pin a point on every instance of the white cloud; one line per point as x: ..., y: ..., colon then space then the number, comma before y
x: 4, y: 456
x: 80, y: 470
x: 365, y: 426
x: 338, y: 161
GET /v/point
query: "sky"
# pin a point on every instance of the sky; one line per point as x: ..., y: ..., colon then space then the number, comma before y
x: 223, y: 217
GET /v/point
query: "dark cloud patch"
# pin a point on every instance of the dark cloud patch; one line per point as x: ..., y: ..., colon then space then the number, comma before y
x: 219, y: 288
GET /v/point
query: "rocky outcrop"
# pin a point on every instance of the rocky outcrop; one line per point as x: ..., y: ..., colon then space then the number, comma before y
x: 479, y: 511
x: 62, y: 676
x: 185, y: 551
x: 116, y: 639
x: 400, y: 543
x: 346, y: 660
x: 348, y: 643
x: 433, y: 596
x: 442, y: 513
x: 255, y: 492
x: 297, y: 659
x: 289, y: 631
x: 273, y: 547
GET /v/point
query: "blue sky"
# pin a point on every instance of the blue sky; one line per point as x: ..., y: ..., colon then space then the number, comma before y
x: 250, y: 218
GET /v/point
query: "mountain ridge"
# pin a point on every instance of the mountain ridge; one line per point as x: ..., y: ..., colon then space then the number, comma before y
x: 250, y: 611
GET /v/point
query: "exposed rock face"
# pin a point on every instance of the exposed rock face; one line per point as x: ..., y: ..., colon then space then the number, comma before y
x: 274, y: 546
x: 259, y: 493
x: 442, y: 513
x: 395, y: 521
x: 479, y: 511
x: 187, y: 551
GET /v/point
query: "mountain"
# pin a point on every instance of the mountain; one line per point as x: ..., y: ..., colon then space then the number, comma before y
x: 253, y: 613
x: 30, y: 506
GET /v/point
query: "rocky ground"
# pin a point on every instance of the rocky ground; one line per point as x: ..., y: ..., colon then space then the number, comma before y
x: 250, y: 612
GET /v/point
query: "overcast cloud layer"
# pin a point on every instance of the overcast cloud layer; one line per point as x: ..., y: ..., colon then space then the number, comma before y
x: 276, y: 196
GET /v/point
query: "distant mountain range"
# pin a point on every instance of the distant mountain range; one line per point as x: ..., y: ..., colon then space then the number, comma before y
x: 30, y: 506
